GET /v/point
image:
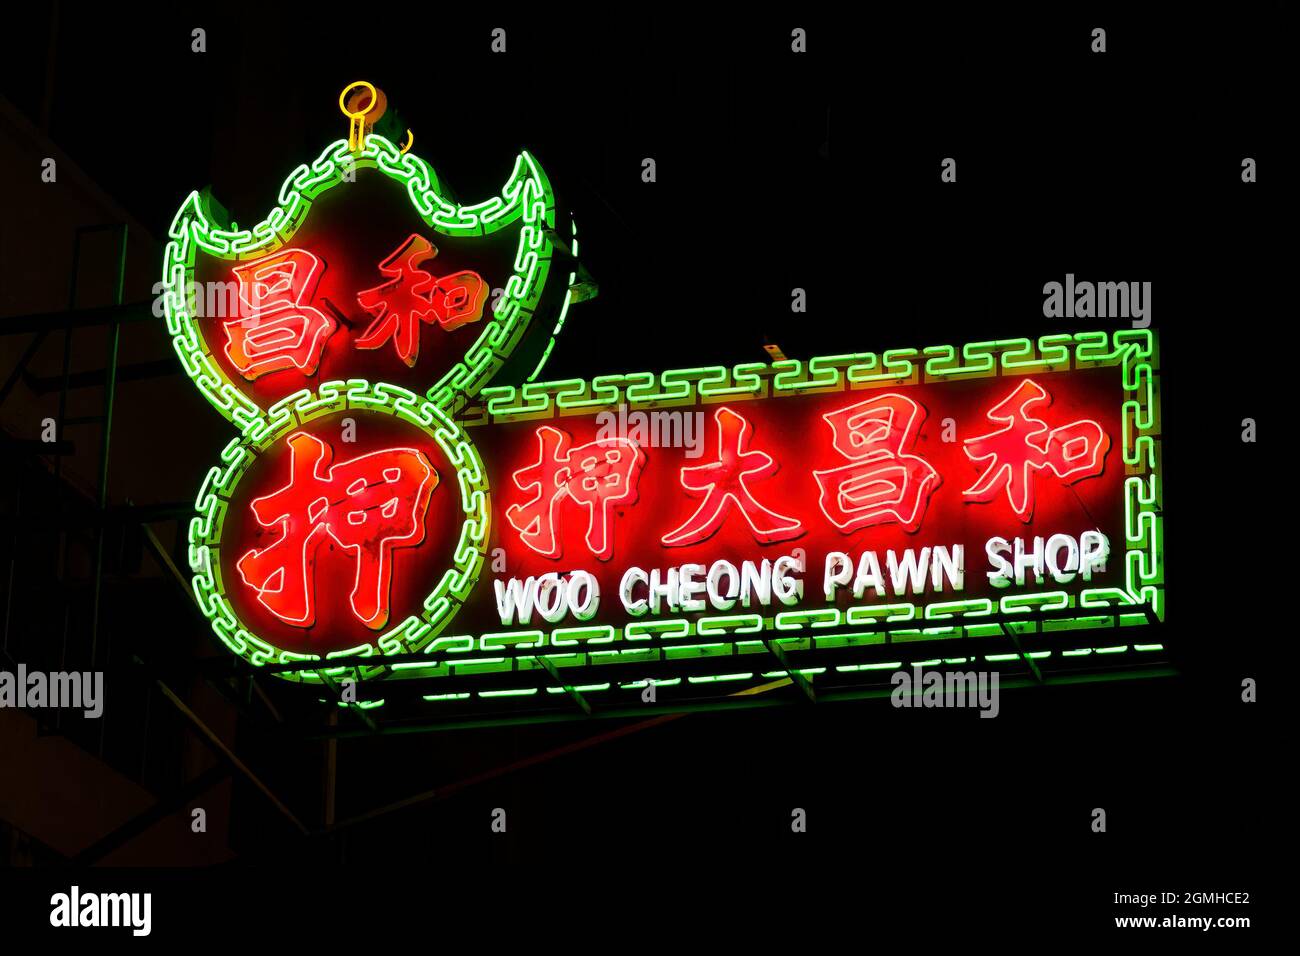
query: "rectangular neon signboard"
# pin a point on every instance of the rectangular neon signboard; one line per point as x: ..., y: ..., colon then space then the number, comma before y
x: 860, y: 499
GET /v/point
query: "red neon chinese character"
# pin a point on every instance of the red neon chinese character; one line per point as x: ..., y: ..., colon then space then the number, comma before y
x: 368, y: 505
x: 723, y: 485
x: 279, y: 330
x: 597, y: 475
x: 883, y: 483
x: 413, y: 295
x: 1025, y: 444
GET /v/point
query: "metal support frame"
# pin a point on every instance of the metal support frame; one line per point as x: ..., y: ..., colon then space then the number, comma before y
x: 574, y: 695
x: 164, y: 808
x: 743, y: 700
x: 796, y: 677
x: 136, y: 372
x: 20, y: 369
x: 219, y: 746
x: 1029, y: 662
x: 75, y: 318
x: 352, y: 706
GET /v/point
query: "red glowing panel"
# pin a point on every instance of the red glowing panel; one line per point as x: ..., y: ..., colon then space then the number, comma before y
x: 369, y: 506
x: 277, y: 328
x: 880, y: 470
x: 724, y: 485
x: 596, y: 476
x: 1026, y: 444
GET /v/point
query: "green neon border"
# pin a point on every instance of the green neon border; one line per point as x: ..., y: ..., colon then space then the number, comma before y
x: 1134, y: 350
x: 526, y: 194
x: 412, y: 635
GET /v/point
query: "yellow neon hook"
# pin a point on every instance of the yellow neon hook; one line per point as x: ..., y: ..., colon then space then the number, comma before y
x: 357, y: 120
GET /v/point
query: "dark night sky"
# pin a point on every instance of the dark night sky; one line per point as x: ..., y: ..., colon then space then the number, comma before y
x: 752, y: 200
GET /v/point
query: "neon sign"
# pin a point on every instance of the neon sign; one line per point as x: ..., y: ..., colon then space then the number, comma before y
x: 873, y: 488
x: 884, y: 482
x: 391, y: 510
x: 1025, y: 444
x: 724, y: 486
x: 872, y: 455
x: 361, y: 514
x: 367, y: 505
x: 280, y: 330
x: 353, y: 214
x: 597, y: 476
x: 412, y: 295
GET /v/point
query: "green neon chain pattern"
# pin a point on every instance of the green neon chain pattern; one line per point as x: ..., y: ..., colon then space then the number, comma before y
x: 412, y: 635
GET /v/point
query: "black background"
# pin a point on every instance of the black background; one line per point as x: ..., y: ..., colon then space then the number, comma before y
x: 822, y: 172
